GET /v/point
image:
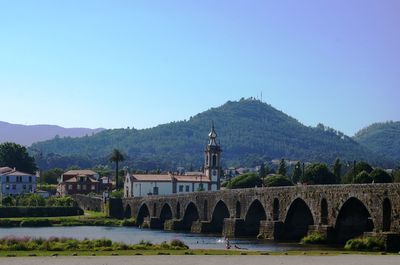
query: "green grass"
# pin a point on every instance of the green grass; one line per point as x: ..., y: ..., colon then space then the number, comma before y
x: 365, y: 243
x: 182, y: 252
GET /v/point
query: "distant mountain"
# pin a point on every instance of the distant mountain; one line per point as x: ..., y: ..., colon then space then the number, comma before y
x: 249, y: 131
x: 383, y: 138
x: 28, y: 134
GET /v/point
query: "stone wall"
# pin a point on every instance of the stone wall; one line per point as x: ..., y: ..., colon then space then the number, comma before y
x: 89, y: 203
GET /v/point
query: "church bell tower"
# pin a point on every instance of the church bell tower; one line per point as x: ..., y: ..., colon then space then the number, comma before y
x: 212, y: 163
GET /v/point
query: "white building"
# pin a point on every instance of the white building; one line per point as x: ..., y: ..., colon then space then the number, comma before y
x: 13, y: 182
x: 137, y: 185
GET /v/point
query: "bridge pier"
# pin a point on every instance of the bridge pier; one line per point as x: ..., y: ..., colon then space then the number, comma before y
x: 172, y: 224
x: 200, y: 227
x: 273, y: 230
x: 233, y: 227
x: 325, y: 230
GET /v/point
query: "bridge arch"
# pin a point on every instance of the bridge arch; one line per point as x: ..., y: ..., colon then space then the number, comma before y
x: 353, y: 220
x: 386, y: 215
x: 255, y: 214
x: 142, y: 214
x: 298, y: 219
x: 165, y: 214
x: 220, y: 212
x: 128, y: 211
x: 191, y: 214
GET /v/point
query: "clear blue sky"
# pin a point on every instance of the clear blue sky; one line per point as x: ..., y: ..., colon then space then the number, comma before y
x: 141, y: 63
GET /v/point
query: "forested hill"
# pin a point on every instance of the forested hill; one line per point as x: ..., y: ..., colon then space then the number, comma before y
x: 383, y: 138
x: 248, y: 131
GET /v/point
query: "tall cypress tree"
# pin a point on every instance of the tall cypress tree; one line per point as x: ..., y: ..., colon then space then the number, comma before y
x: 282, y: 168
x: 337, y: 170
x: 297, y: 172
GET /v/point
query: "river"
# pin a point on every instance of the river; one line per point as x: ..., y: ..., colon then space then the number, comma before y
x: 132, y: 235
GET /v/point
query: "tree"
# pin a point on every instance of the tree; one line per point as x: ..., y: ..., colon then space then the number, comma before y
x: 337, y: 170
x: 116, y: 157
x: 275, y: 180
x: 380, y: 176
x: 363, y: 177
x: 15, y: 155
x: 282, y: 168
x: 355, y: 170
x: 261, y: 172
x: 51, y: 176
x: 297, y: 172
x: 248, y: 180
x: 318, y: 174
x: 396, y: 175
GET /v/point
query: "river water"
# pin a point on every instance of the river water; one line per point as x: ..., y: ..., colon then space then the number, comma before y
x: 133, y: 235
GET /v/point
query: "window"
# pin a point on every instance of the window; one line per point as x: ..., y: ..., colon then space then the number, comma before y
x: 14, y: 187
x: 84, y: 187
x: 7, y: 187
x: 155, y: 190
x: 30, y: 178
x: 93, y: 187
x: 7, y: 179
x: 30, y: 187
x: 187, y: 188
x: 70, y: 186
x: 180, y: 188
x: 78, y: 187
x: 24, y: 186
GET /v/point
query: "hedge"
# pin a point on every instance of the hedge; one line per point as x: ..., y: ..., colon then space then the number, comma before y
x: 9, y: 212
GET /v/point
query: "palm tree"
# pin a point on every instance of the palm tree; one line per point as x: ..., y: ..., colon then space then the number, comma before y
x: 116, y: 156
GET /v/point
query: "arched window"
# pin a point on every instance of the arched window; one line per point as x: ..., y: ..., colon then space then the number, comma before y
x: 324, y: 212
x: 387, y: 215
x: 205, y: 211
x: 154, y: 209
x: 276, y: 210
x: 214, y: 160
x: 237, y: 209
x: 178, y: 210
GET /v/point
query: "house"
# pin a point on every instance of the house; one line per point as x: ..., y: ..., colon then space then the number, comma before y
x: 78, y: 182
x: 14, y: 182
x: 137, y: 185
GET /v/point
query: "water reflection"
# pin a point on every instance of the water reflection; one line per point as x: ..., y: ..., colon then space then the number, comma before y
x: 133, y: 235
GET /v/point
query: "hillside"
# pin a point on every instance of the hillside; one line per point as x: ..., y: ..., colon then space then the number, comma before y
x: 383, y: 138
x: 28, y: 134
x: 248, y: 131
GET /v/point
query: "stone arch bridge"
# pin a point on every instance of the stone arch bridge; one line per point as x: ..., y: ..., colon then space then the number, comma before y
x: 339, y: 212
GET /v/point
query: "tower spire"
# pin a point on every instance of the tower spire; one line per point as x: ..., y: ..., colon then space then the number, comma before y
x: 212, y: 135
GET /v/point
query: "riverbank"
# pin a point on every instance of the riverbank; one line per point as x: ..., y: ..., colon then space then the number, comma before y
x: 188, y: 252
x: 206, y: 260
x: 88, y: 219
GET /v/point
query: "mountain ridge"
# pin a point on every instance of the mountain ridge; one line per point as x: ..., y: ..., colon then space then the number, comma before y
x: 28, y: 134
x: 249, y: 130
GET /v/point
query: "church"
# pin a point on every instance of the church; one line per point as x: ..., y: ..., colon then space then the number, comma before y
x: 138, y: 185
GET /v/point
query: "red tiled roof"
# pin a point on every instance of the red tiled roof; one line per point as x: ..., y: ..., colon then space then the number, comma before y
x: 84, y: 172
x: 152, y: 178
x: 168, y: 178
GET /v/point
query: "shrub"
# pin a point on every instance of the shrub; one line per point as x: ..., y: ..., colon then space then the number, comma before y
x: 178, y: 244
x: 314, y: 238
x: 35, y: 223
x: 365, y: 243
x: 128, y: 222
x: 318, y: 174
x: 275, y: 180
